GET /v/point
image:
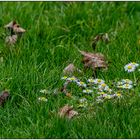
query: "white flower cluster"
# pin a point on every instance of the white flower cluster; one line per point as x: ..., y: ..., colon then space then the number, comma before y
x: 87, y: 91
x: 101, y: 86
x: 83, y: 102
x: 74, y: 79
x: 103, y: 95
x: 125, y: 84
x: 96, y: 81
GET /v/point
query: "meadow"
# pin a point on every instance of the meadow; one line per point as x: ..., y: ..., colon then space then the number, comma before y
x: 54, y: 31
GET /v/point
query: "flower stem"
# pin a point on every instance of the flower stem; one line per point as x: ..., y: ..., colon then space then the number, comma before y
x: 135, y: 80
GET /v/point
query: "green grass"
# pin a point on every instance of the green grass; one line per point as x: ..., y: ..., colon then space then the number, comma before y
x: 54, y: 31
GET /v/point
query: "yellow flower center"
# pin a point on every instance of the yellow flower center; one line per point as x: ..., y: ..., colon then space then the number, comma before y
x: 129, y: 67
x: 103, y: 85
x: 108, y: 97
x: 65, y: 77
x: 88, y: 90
x: 102, y: 93
x: 82, y: 83
x: 91, y: 80
x: 72, y: 78
x: 118, y: 94
x: 127, y: 85
x: 42, y: 98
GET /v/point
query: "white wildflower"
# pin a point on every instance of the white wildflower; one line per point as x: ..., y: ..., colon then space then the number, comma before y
x: 101, y: 93
x: 44, y: 91
x: 127, y: 81
x: 119, y: 95
x: 87, y: 91
x: 131, y: 67
x: 120, y: 83
x: 125, y: 86
x: 64, y: 77
x: 103, y: 87
x: 43, y: 99
x: 108, y: 97
x: 98, y: 81
x: 90, y: 80
x: 72, y: 79
x: 82, y: 100
x: 81, y: 84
